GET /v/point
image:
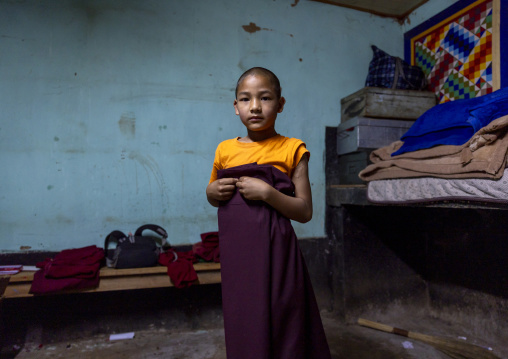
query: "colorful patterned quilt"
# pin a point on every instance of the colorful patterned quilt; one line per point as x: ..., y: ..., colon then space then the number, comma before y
x: 456, y: 55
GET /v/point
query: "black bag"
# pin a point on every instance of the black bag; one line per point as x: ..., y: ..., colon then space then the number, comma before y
x: 392, y: 72
x: 135, y: 251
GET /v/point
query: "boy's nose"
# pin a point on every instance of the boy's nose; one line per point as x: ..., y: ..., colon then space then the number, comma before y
x: 255, y: 105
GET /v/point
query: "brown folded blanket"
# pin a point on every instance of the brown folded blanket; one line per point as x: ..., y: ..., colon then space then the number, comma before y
x: 483, y: 156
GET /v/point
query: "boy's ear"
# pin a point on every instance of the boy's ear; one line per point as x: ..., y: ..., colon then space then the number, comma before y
x: 235, y: 103
x: 282, y: 102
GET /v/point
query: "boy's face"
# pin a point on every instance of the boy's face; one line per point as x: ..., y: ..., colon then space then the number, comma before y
x: 257, y: 103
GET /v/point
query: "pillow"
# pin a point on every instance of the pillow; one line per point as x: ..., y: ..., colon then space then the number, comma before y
x: 455, y: 122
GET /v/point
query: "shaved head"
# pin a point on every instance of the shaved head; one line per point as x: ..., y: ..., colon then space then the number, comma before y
x: 261, y: 71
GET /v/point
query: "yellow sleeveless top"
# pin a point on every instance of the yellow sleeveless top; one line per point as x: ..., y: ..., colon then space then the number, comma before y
x: 284, y: 153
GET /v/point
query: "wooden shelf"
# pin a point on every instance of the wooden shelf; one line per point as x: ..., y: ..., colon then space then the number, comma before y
x: 356, y: 195
x: 338, y: 195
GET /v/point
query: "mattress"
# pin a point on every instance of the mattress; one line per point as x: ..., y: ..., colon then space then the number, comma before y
x: 430, y: 189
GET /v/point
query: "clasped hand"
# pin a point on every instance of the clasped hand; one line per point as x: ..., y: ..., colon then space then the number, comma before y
x: 249, y: 187
x: 253, y: 188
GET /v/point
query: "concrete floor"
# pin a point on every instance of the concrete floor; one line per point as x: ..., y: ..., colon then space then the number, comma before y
x: 187, y: 324
x: 346, y: 341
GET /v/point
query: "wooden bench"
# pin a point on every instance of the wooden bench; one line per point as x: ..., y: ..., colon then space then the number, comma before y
x: 118, y: 279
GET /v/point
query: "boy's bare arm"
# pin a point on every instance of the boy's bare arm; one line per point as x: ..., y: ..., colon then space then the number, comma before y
x: 220, y: 190
x: 298, y: 208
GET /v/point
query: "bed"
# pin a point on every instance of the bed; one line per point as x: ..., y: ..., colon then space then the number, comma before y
x: 430, y: 189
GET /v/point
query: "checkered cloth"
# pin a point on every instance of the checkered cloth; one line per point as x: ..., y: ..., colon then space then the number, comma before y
x: 392, y: 72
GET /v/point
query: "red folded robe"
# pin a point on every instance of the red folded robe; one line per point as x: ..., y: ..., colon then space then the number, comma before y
x: 43, y: 285
x: 208, y: 248
x: 57, y: 270
x: 70, y: 269
x: 180, y: 268
x: 88, y: 255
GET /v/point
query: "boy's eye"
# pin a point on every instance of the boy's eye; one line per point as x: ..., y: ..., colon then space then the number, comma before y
x: 264, y: 98
x: 243, y: 99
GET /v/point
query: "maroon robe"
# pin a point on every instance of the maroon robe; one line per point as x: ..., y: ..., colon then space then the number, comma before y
x: 270, y: 311
x: 76, y: 268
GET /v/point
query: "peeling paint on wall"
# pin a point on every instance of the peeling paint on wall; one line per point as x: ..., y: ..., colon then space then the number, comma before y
x: 251, y: 28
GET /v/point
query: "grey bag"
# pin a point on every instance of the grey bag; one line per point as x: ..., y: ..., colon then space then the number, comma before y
x: 135, y: 251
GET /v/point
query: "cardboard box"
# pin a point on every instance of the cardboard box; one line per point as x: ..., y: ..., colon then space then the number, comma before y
x: 379, y: 102
x: 362, y: 133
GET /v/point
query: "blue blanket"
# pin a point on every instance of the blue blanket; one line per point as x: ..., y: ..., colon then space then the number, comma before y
x: 455, y: 122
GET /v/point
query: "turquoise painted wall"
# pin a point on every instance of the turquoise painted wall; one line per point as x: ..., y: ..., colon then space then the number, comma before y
x: 111, y: 110
x: 425, y: 12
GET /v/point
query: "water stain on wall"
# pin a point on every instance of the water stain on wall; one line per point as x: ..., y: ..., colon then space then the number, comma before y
x: 112, y: 219
x: 63, y: 219
x: 127, y: 124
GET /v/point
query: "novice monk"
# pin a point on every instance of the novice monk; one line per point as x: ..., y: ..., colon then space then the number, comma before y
x: 260, y: 182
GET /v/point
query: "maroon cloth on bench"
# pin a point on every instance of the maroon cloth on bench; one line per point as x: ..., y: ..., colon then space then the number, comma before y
x: 180, y: 267
x: 44, y: 285
x: 208, y: 248
x: 269, y: 306
x: 76, y: 268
